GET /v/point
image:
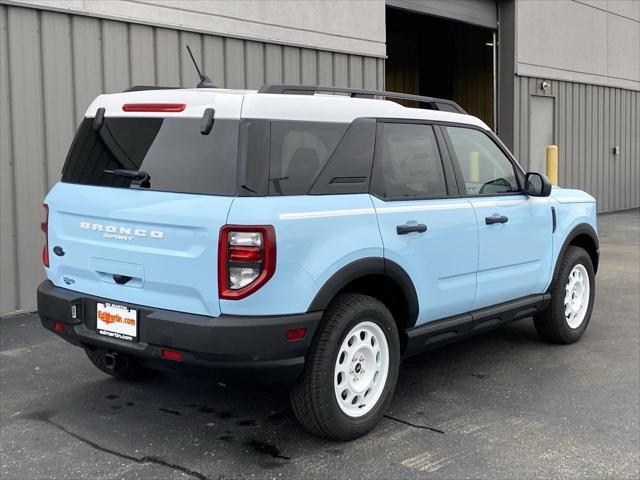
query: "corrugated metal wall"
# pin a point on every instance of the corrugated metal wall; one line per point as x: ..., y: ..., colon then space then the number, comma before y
x: 589, y: 121
x: 52, y: 65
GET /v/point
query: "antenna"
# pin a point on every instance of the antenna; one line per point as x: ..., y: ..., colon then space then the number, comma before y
x: 205, y: 82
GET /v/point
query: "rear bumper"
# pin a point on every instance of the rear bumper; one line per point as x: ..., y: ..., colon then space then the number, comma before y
x: 228, y: 345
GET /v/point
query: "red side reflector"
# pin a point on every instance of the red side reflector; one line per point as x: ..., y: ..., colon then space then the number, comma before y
x: 245, y: 254
x: 171, y: 355
x: 59, y: 326
x: 294, y: 334
x: 154, y: 107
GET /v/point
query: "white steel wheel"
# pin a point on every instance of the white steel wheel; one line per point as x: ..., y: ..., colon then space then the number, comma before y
x: 361, y: 369
x: 576, y: 299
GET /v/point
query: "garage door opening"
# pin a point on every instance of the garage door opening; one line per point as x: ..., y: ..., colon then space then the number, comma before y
x: 441, y: 58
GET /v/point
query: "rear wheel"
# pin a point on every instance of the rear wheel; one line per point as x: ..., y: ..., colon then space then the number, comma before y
x: 351, y: 369
x: 118, y: 365
x: 567, y: 316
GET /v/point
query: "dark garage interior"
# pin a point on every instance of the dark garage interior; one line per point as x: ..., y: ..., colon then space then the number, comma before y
x: 441, y: 58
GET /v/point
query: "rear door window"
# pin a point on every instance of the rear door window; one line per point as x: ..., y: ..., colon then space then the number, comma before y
x: 176, y: 156
x: 409, y: 164
x: 299, y: 151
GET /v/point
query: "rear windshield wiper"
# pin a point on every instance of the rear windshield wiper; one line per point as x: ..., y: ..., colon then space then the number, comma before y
x: 143, y: 177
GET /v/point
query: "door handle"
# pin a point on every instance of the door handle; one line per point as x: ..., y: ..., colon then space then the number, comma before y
x: 404, y: 229
x: 496, y: 219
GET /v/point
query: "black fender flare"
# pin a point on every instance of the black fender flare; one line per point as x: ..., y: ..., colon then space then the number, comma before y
x: 580, y: 229
x: 368, y: 266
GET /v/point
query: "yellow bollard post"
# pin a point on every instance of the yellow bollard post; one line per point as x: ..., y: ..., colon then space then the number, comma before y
x: 552, y: 164
x: 474, y: 166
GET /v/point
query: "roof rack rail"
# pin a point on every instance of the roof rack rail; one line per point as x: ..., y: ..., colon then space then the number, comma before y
x: 430, y: 103
x: 142, y: 88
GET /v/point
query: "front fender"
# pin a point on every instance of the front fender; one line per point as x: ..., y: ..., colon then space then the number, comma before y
x: 575, y: 213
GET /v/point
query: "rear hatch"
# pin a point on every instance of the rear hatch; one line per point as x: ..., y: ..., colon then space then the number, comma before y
x: 143, y: 196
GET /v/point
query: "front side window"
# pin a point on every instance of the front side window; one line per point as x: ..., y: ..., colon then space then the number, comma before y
x: 485, y: 168
x: 409, y: 163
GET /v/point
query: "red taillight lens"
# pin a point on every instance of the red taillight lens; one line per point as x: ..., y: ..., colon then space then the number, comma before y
x: 245, y: 254
x: 44, y: 226
x: 59, y: 326
x: 246, y: 259
x: 154, y: 107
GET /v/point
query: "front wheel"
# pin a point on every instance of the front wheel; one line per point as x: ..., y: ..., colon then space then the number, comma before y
x: 567, y: 316
x: 351, y: 369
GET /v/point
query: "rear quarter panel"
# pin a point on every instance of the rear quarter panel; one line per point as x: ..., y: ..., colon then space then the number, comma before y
x: 316, y: 235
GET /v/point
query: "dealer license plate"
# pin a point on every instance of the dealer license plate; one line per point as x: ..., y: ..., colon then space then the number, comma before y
x: 117, y: 321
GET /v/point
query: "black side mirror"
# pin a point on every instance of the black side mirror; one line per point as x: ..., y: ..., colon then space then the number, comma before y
x: 537, y: 185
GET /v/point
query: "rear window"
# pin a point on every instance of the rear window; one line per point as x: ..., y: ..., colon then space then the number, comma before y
x: 172, y: 151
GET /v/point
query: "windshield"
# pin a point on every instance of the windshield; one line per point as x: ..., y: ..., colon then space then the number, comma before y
x: 172, y: 152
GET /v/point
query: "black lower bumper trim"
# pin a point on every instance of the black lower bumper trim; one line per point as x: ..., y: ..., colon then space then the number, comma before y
x: 227, y: 343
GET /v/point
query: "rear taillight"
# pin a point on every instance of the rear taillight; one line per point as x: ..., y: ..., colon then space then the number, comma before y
x: 246, y: 259
x: 44, y: 226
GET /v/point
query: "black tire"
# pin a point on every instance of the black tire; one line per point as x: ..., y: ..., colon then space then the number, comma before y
x: 313, y: 396
x: 551, y: 324
x: 127, y: 368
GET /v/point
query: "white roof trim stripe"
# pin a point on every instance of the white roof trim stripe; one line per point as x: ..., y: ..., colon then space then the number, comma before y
x: 326, y: 213
x: 424, y: 208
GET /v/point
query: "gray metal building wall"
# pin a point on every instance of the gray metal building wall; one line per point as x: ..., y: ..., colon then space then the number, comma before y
x: 52, y: 65
x: 589, y: 121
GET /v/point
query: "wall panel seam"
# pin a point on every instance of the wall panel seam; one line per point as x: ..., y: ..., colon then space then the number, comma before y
x: 11, y: 136
x: 129, y: 56
x: 43, y: 107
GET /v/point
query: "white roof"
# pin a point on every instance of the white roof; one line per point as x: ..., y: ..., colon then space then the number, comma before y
x: 251, y: 104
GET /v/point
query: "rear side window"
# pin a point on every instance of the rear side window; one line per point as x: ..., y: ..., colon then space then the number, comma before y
x: 349, y: 167
x: 299, y: 151
x: 409, y: 163
x: 176, y: 156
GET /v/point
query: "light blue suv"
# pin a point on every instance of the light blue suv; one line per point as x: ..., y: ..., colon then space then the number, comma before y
x: 312, y: 235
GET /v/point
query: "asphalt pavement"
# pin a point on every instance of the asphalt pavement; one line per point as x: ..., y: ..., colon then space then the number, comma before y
x: 500, y: 405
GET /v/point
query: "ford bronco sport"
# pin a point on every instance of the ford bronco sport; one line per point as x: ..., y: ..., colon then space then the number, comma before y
x: 311, y: 235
